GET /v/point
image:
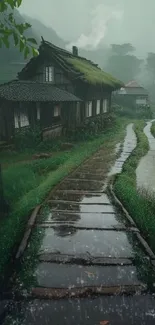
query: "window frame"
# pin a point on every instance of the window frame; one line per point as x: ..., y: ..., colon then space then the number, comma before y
x: 98, y: 107
x: 89, y: 108
x: 49, y: 73
x: 105, y: 105
x: 58, y: 112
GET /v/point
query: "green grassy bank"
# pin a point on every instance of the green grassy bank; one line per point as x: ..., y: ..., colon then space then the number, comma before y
x: 139, y: 204
x: 28, y: 184
x: 153, y: 129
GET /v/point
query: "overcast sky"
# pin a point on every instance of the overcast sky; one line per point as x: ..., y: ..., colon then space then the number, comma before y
x: 92, y: 21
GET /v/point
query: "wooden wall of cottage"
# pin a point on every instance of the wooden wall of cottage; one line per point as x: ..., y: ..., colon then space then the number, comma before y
x: 6, y: 121
x: 72, y: 114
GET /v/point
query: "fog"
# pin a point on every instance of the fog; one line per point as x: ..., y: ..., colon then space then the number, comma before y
x: 91, y: 23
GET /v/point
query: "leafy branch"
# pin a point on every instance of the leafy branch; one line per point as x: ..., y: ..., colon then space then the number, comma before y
x: 9, y: 28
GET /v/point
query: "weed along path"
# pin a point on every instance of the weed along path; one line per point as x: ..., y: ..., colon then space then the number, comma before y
x: 86, y: 262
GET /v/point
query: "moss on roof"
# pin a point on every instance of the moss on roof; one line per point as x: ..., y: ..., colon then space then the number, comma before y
x: 93, y: 74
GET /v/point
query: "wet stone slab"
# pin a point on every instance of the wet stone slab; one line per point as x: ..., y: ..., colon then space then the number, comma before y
x: 51, y: 275
x: 97, y: 220
x: 83, y: 208
x: 87, y: 176
x: 96, y: 165
x: 118, y: 310
x: 81, y: 198
x: 91, y: 242
x: 128, y: 146
x: 82, y: 185
x: 97, y: 171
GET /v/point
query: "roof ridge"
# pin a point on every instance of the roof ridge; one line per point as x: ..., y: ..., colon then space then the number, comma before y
x: 67, y: 52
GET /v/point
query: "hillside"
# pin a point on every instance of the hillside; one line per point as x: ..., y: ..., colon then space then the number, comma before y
x: 39, y: 29
x: 11, y: 60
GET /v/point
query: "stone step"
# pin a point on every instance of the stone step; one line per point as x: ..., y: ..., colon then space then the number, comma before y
x: 82, y: 208
x: 99, y: 220
x: 52, y: 275
x: 87, y: 198
x: 116, y: 310
x: 82, y: 185
x: 95, y: 243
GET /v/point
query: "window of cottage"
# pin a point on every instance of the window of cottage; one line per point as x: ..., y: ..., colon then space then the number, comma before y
x: 98, y: 107
x: 49, y: 74
x: 57, y: 111
x: 21, y: 117
x: 105, y: 105
x: 89, y: 107
x: 38, y: 111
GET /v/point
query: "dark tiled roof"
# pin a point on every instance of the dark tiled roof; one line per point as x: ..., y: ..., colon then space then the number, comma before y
x: 21, y: 90
x: 133, y: 84
x: 133, y: 88
x: 76, y: 67
x: 136, y: 91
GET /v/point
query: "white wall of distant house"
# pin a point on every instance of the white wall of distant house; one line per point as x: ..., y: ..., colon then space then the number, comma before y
x: 141, y: 101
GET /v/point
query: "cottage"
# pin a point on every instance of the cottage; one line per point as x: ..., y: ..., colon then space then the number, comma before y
x: 132, y: 95
x: 46, y: 86
x: 24, y: 102
x: 75, y: 74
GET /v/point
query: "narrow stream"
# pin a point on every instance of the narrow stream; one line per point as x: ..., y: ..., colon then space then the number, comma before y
x: 145, y: 172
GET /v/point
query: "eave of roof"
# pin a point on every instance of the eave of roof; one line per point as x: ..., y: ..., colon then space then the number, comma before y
x: 31, y: 91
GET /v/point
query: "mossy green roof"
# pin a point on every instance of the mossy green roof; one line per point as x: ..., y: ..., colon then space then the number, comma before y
x: 93, y: 74
x: 76, y: 67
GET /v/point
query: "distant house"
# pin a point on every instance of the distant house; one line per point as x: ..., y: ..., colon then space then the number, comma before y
x: 89, y: 87
x: 132, y: 95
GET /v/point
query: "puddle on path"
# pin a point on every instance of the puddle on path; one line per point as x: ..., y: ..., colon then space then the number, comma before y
x: 51, y: 275
x: 86, y: 220
x: 145, y: 172
x: 83, y: 208
x: 128, y: 146
x: 118, y: 310
x: 92, y: 242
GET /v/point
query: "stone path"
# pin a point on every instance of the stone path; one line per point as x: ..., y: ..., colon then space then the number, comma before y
x: 89, y: 255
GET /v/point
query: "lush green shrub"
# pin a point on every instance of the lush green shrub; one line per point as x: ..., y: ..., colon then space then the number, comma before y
x: 153, y: 129
x: 27, y: 138
x: 91, y: 127
x: 133, y: 112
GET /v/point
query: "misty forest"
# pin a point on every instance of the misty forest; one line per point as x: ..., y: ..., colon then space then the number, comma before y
x: 77, y: 162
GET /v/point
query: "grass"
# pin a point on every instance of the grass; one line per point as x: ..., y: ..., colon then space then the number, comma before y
x: 12, y: 228
x: 93, y: 74
x: 139, y: 203
x: 153, y: 129
x: 19, y: 179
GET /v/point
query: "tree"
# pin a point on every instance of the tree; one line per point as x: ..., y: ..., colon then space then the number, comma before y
x: 11, y: 29
x: 122, y: 49
x: 150, y: 69
x: 122, y: 63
